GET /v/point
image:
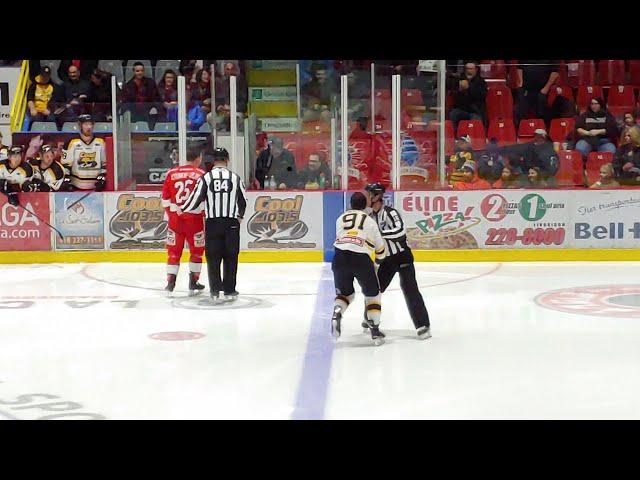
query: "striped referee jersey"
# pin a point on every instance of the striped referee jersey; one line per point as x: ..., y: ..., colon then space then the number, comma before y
x: 392, y: 229
x: 222, y: 192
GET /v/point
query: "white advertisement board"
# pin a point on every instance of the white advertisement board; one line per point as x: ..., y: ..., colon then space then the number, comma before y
x: 8, y: 83
x: 605, y: 219
x: 485, y: 219
x: 282, y: 220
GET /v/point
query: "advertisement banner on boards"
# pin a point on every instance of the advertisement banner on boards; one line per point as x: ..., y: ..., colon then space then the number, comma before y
x: 605, y: 219
x: 9, y: 77
x: 282, y: 221
x: 19, y: 229
x: 80, y: 222
x: 485, y: 219
x: 135, y: 221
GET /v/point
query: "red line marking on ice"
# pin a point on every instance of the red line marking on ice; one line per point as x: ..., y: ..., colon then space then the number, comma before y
x: 176, y: 336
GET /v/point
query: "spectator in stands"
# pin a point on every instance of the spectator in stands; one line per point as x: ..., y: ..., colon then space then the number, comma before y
x: 277, y: 161
x: 85, y: 68
x: 4, y: 149
x: 318, y: 93
x: 463, y: 153
x: 73, y: 95
x: 535, y: 78
x: 168, y: 93
x: 317, y: 174
x: 202, y: 89
x: 490, y: 163
x: 507, y: 179
x: 100, y: 95
x: 626, y: 163
x: 541, y: 155
x: 141, y: 96
x: 196, y: 115
x: 606, y: 179
x: 470, y: 95
x: 596, y: 129
x: 629, y: 120
x: 535, y: 179
x: 40, y: 97
x: 467, y: 179
x: 223, y: 94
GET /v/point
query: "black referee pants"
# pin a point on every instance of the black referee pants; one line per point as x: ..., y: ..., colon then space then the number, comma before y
x: 402, y: 263
x: 222, y: 244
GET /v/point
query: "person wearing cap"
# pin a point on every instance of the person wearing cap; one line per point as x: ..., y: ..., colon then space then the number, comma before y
x: 469, y: 96
x: 223, y: 194
x: 48, y: 174
x: 14, y: 172
x: 276, y: 161
x: 399, y: 259
x: 540, y: 154
x: 40, y: 97
x: 596, y: 129
x: 466, y: 179
x: 85, y: 157
x: 463, y: 153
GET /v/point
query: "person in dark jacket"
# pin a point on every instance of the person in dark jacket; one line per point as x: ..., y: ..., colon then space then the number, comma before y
x: 73, y: 94
x: 470, y: 94
x: 85, y: 67
x: 626, y: 162
x: 535, y: 79
x: 277, y: 161
x: 541, y: 155
x: 490, y: 163
x: 100, y: 95
x: 168, y: 96
x: 596, y: 129
x: 317, y: 174
x: 141, y: 96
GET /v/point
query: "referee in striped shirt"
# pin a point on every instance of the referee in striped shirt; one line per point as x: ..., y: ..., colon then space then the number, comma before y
x: 223, y: 194
x: 399, y: 259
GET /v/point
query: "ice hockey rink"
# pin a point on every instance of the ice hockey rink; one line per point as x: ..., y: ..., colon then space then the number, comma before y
x: 510, y: 341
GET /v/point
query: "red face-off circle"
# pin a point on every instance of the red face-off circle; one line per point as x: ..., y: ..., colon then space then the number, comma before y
x: 176, y: 336
x: 622, y: 301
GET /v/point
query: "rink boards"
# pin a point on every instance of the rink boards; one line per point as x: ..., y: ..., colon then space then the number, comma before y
x: 286, y: 226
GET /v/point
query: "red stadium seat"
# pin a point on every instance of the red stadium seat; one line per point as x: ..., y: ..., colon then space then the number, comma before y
x: 575, y: 73
x: 594, y: 161
x: 411, y: 97
x: 493, y: 69
x: 527, y: 128
x: 561, y: 128
x: 499, y: 102
x: 620, y: 99
x: 503, y: 131
x: 634, y: 72
x: 475, y: 129
x: 559, y: 91
x: 570, y: 171
x: 611, y: 72
x: 585, y: 94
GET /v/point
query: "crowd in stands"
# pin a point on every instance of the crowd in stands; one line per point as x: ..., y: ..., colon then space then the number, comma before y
x: 590, y: 114
x: 84, y: 86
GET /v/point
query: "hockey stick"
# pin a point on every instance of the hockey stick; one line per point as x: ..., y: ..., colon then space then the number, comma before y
x: 36, y: 216
x: 80, y: 199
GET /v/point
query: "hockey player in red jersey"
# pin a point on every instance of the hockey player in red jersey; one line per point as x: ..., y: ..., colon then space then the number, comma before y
x: 178, y: 185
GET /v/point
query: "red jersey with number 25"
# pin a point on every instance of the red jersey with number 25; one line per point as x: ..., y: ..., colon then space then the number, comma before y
x: 178, y: 185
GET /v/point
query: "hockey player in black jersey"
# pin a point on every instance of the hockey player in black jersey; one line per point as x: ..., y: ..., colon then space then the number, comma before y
x: 48, y: 174
x: 14, y: 172
x: 399, y: 259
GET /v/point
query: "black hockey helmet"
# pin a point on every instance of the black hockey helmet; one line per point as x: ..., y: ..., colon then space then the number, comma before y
x: 375, y: 188
x: 220, y: 154
x: 16, y: 150
x: 85, y: 117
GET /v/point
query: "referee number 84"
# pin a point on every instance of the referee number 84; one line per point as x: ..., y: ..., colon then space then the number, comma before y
x: 220, y: 185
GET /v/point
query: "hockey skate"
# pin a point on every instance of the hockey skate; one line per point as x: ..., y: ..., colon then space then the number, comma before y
x: 215, y: 297
x: 171, y: 285
x: 423, y: 333
x: 377, y: 337
x: 335, y: 322
x: 195, y: 288
x: 365, y: 328
x: 231, y: 297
